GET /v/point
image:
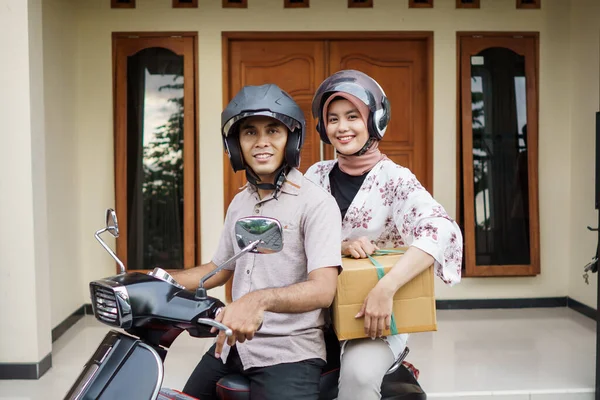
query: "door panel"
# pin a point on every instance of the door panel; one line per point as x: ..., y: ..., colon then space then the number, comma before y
x: 401, y: 68
x: 297, y: 67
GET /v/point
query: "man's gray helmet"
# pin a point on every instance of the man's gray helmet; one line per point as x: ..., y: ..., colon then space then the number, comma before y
x: 268, y: 100
x: 361, y: 86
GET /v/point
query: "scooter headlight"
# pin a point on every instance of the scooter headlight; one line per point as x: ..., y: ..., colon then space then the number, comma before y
x: 110, y: 302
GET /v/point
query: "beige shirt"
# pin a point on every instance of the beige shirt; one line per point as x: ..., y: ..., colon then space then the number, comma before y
x: 311, y: 224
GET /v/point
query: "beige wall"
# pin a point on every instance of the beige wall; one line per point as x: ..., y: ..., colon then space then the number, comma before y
x: 60, y: 73
x: 585, y: 102
x: 24, y: 287
x: 95, y: 22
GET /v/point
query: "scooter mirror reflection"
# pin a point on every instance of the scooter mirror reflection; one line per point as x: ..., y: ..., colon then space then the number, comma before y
x: 261, y: 235
x: 267, y: 231
x: 112, y: 225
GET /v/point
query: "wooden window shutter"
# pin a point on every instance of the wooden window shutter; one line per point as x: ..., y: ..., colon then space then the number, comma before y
x: 122, y: 3
x: 529, y: 4
x: 296, y: 3
x: 235, y: 3
x: 420, y: 3
x: 467, y: 3
x: 360, y: 3
x: 185, y: 3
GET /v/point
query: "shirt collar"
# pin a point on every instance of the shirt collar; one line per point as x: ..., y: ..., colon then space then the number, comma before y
x: 292, y: 184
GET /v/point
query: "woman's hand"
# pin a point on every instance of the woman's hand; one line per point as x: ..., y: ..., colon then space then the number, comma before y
x: 358, y: 248
x: 377, y: 309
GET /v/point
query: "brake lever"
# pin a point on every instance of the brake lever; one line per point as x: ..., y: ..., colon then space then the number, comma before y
x: 215, y: 324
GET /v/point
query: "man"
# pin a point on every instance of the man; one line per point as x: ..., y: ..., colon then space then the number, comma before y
x: 284, y: 294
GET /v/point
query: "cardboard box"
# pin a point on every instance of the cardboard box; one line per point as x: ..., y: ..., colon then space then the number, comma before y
x: 414, y: 303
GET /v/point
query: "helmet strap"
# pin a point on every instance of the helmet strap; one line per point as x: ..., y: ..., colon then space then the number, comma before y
x: 365, y: 147
x: 280, y: 177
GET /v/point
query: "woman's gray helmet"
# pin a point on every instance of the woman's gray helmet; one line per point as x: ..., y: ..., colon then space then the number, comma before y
x: 267, y: 100
x: 361, y: 86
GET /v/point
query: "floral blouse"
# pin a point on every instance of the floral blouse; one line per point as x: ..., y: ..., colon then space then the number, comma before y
x: 393, y: 210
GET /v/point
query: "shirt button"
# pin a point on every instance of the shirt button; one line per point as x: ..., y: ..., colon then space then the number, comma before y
x: 257, y: 210
x: 247, y: 271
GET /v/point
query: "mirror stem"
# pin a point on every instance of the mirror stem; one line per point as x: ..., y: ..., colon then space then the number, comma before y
x: 112, y: 254
x: 201, y: 291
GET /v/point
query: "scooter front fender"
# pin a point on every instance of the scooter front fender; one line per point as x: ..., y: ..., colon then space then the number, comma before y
x: 122, y: 367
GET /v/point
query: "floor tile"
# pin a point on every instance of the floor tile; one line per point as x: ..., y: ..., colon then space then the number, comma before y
x: 499, y: 350
x: 563, y: 396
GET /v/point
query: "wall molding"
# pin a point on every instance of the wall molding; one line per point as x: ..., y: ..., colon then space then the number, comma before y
x: 25, y: 370
x: 582, y: 308
x: 541, y: 302
x: 471, y: 304
x: 71, y: 320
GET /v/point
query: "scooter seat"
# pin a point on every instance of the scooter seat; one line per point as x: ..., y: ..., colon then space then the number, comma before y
x: 233, y: 387
x: 400, y: 385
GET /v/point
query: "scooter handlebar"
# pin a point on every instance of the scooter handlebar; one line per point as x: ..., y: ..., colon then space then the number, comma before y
x: 215, y: 324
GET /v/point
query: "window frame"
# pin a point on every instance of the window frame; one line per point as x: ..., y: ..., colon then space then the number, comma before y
x: 289, y: 4
x: 123, y: 44
x: 474, y: 4
x: 425, y: 4
x: 228, y: 4
x: 468, y: 44
x: 355, y: 4
x: 180, y: 4
x: 536, y: 5
x: 117, y: 4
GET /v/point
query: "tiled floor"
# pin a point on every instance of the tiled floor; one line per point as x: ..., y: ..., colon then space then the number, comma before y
x: 530, y: 354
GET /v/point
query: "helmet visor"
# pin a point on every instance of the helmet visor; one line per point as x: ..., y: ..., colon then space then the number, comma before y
x: 289, y: 122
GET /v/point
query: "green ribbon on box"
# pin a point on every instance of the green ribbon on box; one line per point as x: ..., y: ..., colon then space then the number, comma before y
x: 381, y: 274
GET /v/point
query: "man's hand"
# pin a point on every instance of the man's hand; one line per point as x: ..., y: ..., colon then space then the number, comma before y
x: 377, y: 310
x: 244, y: 317
x: 358, y: 248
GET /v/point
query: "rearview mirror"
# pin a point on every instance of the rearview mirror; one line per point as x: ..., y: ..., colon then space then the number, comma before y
x: 112, y: 226
x: 267, y: 231
x: 261, y: 235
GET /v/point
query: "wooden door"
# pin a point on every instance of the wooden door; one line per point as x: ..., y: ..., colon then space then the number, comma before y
x: 401, y: 67
x: 297, y: 67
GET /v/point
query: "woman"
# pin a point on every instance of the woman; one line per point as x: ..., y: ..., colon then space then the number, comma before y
x: 383, y: 205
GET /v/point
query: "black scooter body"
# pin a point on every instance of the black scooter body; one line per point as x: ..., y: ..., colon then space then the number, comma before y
x: 122, y: 367
x: 153, y: 313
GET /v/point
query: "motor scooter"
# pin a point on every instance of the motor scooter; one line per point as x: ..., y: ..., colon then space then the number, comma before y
x: 152, y: 310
